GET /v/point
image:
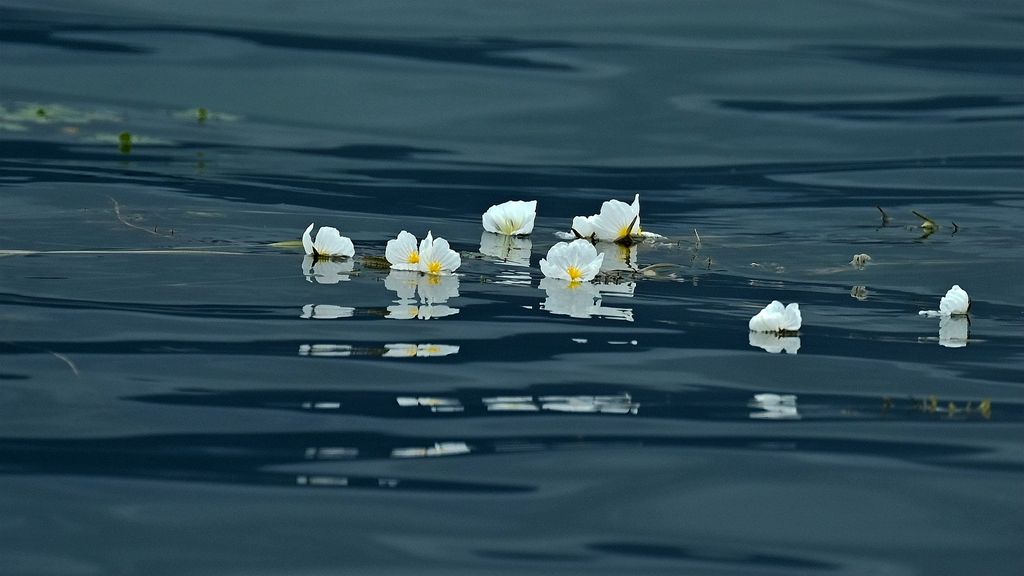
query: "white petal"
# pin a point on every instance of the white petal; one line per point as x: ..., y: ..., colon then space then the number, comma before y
x: 307, y: 241
x: 955, y: 302
x: 330, y: 242
x: 613, y: 222
x: 436, y: 257
x: 584, y: 226
x: 791, y: 320
x: 400, y: 250
x: 511, y: 218
x: 775, y: 317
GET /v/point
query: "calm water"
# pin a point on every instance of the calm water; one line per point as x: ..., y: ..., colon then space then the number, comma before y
x: 179, y: 396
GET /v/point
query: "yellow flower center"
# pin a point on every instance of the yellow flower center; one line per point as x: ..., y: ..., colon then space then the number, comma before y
x: 508, y: 227
x: 575, y: 273
x: 414, y: 257
x: 434, y: 267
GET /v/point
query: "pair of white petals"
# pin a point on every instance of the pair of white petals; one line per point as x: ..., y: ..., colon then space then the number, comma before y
x: 329, y: 243
x: 512, y: 218
x: 431, y: 256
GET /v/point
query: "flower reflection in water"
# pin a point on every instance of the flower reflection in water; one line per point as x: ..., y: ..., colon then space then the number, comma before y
x: 444, y: 405
x: 775, y: 343
x: 421, y: 296
x: 326, y: 312
x: 615, y: 404
x: 325, y: 350
x: 421, y: 350
x: 438, y: 449
x: 954, y: 331
x: 578, y: 300
x: 325, y: 270
x: 512, y: 250
x: 774, y: 407
x: 617, y: 257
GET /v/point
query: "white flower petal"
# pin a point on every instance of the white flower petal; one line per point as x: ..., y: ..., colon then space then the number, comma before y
x: 576, y: 261
x: 955, y: 302
x: 307, y: 241
x: 437, y: 257
x: 777, y: 318
x: 329, y: 242
x: 511, y: 218
x: 402, y: 252
x: 618, y: 220
x: 583, y: 226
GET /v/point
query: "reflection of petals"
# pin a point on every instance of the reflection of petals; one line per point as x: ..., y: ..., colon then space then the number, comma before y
x: 438, y: 449
x: 403, y: 282
x: 433, y: 292
x: 510, y: 249
x: 953, y: 332
x: 437, y: 289
x: 774, y: 407
x: 324, y: 271
x: 574, y: 299
x: 410, y: 350
x: 617, y: 289
x: 774, y: 343
x: 511, y: 218
x: 326, y: 311
x: 325, y: 350
x: 425, y: 312
x: 617, y: 256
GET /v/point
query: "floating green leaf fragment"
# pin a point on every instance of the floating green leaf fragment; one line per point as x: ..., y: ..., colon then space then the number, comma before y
x: 376, y: 262
x: 202, y: 114
x: 124, y: 142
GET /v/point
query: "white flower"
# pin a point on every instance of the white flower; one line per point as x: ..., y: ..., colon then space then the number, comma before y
x: 402, y: 252
x: 329, y: 243
x: 436, y: 257
x: 618, y: 221
x: 859, y: 261
x: 774, y: 343
x: 326, y: 311
x: 324, y: 271
x: 576, y: 261
x: 512, y: 218
x: 776, y: 318
x: 410, y: 350
x: 955, y: 302
x: 506, y: 249
x: 583, y: 226
x: 954, y: 331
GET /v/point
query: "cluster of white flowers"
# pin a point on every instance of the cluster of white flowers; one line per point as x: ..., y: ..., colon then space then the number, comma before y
x: 568, y: 265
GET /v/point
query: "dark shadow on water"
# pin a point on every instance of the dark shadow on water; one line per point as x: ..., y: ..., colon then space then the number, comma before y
x: 996, y: 60
x: 716, y: 556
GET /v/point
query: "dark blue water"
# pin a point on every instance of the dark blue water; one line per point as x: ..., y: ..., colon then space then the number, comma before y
x: 180, y: 394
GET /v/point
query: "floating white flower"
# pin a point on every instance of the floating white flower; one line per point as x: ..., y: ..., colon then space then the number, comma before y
x: 954, y: 303
x: 859, y: 261
x: 506, y: 249
x: 582, y: 227
x: 326, y: 311
x: 618, y: 221
x: 512, y: 218
x: 436, y: 257
x: 329, y: 243
x: 774, y: 342
x: 777, y: 319
x: 576, y: 261
x: 326, y: 271
x: 954, y: 331
x: 411, y: 350
x: 402, y: 252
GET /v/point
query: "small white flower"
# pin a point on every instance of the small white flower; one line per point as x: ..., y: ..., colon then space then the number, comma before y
x: 402, y: 252
x: 512, y: 218
x: 576, y: 261
x: 955, y: 302
x: 776, y: 318
x: 436, y: 257
x: 325, y: 271
x: 329, y: 243
x: 618, y: 221
x: 583, y: 227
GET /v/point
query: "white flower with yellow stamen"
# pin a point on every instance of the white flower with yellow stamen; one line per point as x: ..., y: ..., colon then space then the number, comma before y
x: 329, y: 243
x: 512, y: 218
x: 402, y: 252
x: 576, y: 261
x: 777, y: 319
x: 436, y: 257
